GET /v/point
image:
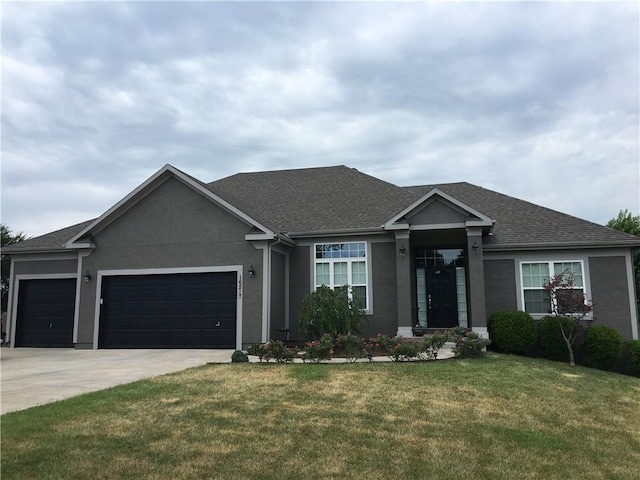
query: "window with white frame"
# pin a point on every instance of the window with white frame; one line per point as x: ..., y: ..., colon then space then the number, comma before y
x: 535, y: 275
x: 342, y: 264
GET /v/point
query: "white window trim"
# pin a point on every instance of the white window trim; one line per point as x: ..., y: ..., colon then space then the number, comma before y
x: 349, y: 261
x: 585, y: 283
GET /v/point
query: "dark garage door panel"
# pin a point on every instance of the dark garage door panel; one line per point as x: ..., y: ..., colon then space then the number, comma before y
x: 187, y: 310
x: 45, y: 313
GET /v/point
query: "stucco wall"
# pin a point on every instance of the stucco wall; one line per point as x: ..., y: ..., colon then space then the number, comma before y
x: 43, y: 267
x: 174, y: 227
x: 385, y: 309
x: 500, y: 285
x: 610, y: 293
x: 436, y: 212
x: 278, y: 296
x: 299, y: 283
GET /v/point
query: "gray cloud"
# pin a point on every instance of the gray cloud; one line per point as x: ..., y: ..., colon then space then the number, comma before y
x: 536, y: 100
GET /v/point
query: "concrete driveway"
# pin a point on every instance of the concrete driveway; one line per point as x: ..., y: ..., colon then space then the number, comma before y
x: 34, y: 376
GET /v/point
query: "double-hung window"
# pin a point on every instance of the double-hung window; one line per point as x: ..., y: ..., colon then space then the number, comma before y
x: 535, y: 275
x: 343, y: 264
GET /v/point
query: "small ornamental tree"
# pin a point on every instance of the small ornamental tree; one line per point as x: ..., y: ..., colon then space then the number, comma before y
x: 332, y: 311
x: 568, y: 302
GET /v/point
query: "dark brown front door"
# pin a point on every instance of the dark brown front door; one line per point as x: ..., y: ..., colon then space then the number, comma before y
x: 442, y: 308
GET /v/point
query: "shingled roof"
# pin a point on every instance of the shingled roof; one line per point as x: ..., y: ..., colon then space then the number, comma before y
x: 322, y: 201
x: 50, y: 241
x: 520, y: 224
x: 310, y: 200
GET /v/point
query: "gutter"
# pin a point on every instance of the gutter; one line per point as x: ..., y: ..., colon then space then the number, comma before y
x: 558, y: 246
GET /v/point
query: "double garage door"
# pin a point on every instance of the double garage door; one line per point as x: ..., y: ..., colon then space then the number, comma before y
x: 187, y: 310
x: 191, y: 310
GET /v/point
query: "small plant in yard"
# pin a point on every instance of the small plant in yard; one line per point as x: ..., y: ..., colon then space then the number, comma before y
x: 432, y: 344
x: 469, y: 344
x: 379, y: 345
x: 274, y: 349
x: 328, y: 310
x: 351, y: 347
x: 317, y: 350
x: 569, y: 302
x: 257, y: 349
x: 402, y: 350
x: 239, y: 357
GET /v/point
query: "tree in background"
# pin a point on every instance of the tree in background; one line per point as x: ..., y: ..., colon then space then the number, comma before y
x: 625, y: 222
x: 8, y: 237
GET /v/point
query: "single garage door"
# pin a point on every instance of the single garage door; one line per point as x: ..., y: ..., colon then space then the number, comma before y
x: 187, y: 310
x: 45, y: 313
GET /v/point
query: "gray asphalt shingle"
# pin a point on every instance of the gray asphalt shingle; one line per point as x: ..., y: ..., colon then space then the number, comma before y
x: 341, y: 199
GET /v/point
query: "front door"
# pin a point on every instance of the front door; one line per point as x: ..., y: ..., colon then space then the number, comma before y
x: 442, y: 307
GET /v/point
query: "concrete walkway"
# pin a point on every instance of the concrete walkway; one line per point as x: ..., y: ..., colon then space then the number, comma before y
x: 35, y: 376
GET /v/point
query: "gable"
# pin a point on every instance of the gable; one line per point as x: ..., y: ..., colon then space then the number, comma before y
x: 437, y: 211
x: 172, y: 213
x: 84, y: 238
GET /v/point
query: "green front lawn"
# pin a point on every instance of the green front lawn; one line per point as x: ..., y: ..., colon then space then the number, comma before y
x: 499, y: 417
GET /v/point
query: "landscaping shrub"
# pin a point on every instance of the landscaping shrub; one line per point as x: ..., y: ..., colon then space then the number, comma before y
x: 239, y: 357
x: 329, y: 311
x: 512, y: 332
x: 603, y: 347
x: 550, y: 341
x: 275, y: 349
x: 431, y: 345
x: 317, y: 350
x: 468, y: 344
x: 379, y: 345
x: 351, y: 347
x: 633, y: 358
x: 402, y: 350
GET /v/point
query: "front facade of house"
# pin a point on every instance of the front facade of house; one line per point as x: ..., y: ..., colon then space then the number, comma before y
x: 183, y: 264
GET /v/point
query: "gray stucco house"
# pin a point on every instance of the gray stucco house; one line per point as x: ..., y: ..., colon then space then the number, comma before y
x: 179, y: 263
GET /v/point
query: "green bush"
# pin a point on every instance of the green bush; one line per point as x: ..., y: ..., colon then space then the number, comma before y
x: 633, y: 358
x: 512, y: 332
x: 274, y: 349
x: 351, y: 347
x: 550, y: 341
x: 468, y: 344
x: 602, y: 347
x: 402, y: 350
x: 317, y: 350
x: 239, y: 357
x: 431, y: 345
x: 329, y: 311
x: 379, y: 345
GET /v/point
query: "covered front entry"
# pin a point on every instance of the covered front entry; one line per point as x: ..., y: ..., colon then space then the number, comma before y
x: 184, y: 310
x: 441, y: 290
x: 45, y: 312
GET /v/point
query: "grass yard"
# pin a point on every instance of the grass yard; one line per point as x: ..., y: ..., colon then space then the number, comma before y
x: 500, y: 417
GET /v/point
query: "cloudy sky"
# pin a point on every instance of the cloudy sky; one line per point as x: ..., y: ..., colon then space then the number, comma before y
x: 536, y: 100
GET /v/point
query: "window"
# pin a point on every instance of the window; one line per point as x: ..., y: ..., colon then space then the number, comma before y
x: 535, y: 275
x: 340, y: 264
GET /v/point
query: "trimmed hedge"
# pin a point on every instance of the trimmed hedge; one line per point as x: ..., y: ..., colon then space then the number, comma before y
x: 512, y: 332
x: 550, y: 340
x: 603, y: 347
x: 633, y: 358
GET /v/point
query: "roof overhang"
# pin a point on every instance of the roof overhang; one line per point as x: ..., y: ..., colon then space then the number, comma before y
x: 559, y: 246
x: 157, y: 179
